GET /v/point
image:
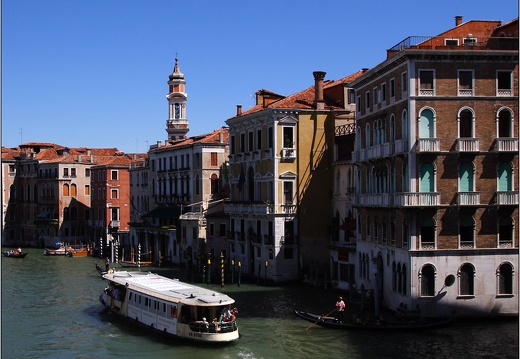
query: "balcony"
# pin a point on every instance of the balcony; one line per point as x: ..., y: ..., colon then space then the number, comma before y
x: 507, y: 198
x: 289, y: 208
x: 114, y: 224
x: 468, y: 144
x: 248, y: 208
x: 506, y: 144
x: 425, y: 43
x: 288, y: 154
x: 468, y: 198
x: 401, y: 146
x: 428, y: 145
x: 372, y: 200
x: 417, y: 199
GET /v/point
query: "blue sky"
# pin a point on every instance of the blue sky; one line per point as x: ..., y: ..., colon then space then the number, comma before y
x: 93, y: 73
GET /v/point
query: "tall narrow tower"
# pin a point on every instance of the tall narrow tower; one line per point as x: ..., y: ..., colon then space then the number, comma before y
x: 177, y: 124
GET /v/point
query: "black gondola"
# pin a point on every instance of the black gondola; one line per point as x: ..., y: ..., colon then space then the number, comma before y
x: 15, y: 254
x: 331, y: 322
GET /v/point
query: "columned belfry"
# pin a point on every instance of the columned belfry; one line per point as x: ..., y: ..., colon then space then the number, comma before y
x: 177, y: 124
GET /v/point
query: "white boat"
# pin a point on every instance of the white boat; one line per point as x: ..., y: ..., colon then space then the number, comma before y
x: 170, y: 306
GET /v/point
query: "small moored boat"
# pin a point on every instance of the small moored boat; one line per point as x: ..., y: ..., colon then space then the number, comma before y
x: 15, y: 254
x: 129, y: 264
x: 331, y: 322
x: 171, y: 306
x: 59, y: 249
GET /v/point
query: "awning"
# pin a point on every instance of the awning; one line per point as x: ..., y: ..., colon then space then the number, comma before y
x: 43, y: 214
x: 348, y: 225
x: 164, y: 212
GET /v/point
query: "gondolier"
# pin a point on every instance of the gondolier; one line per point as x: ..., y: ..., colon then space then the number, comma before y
x: 340, y: 310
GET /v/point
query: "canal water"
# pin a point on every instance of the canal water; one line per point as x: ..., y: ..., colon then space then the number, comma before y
x: 50, y: 309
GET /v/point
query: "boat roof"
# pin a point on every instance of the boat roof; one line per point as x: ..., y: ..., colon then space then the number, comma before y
x: 168, y: 289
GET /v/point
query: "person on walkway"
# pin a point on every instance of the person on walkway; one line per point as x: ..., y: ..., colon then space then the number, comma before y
x: 340, y: 309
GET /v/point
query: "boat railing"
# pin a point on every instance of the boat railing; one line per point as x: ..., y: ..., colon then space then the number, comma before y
x: 205, y: 327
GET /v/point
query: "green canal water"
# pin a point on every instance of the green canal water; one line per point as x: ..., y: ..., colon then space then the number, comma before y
x: 50, y: 309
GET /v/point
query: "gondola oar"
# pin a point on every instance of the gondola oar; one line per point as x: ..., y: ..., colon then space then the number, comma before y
x: 326, y: 315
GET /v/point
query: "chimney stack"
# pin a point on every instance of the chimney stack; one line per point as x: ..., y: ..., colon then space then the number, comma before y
x: 239, y: 110
x: 318, y: 89
x: 458, y: 20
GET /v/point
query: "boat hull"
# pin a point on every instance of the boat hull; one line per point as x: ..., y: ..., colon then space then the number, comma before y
x: 15, y: 254
x: 129, y: 264
x: 331, y: 322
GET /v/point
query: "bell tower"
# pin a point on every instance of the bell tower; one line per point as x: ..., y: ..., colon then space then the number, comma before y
x: 177, y: 124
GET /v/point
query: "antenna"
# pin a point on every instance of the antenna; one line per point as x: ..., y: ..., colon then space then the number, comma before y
x: 21, y: 135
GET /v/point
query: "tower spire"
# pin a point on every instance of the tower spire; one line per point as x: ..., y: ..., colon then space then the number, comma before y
x: 177, y: 124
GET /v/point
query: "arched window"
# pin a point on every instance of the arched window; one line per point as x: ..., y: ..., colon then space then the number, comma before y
x: 367, y: 136
x: 427, y: 280
x: 404, y: 184
x: 404, y: 279
x: 73, y: 190
x: 505, y: 123
x: 466, y: 232
x: 426, y: 124
x: 505, y: 278
x: 65, y: 189
x: 392, y: 128
x: 466, y: 183
x: 505, y: 177
x: 360, y: 265
x: 197, y: 184
x: 427, y: 178
x: 505, y: 232
x: 404, y: 124
x: 394, y: 276
x: 376, y: 133
x: 427, y: 233
x: 404, y: 237
x: 214, y: 184
x: 399, y: 278
x: 288, y: 195
x: 466, y: 120
x: 368, y: 234
x: 358, y: 138
x: 466, y: 279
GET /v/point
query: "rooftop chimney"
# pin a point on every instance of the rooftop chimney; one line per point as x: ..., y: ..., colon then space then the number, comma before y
x: 239, y: 110
x: 458, y: 20
x: 318, y: 89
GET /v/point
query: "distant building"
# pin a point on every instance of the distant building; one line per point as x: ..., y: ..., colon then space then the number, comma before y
x: 111, y: 204
x: 49, y: 193
x: 436, y: 154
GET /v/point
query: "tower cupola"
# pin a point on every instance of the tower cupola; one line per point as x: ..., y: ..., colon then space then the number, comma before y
x: 177, y: 123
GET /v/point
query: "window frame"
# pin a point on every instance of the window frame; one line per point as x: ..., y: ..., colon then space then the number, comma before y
x: 424, y: 90
x: 464, y: 91
x: 504, y: 92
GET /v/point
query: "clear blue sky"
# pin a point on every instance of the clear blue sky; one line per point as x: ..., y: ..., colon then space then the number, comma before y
x: 93, y: 73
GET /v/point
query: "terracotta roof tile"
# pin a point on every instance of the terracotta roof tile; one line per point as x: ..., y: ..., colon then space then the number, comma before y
x: 212, y: 137
x: 303, y: 99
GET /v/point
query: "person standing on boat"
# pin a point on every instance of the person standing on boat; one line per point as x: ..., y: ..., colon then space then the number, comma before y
x: 340, y: 309
x: 107, y: 264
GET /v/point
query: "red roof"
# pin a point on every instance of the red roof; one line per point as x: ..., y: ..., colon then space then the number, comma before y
x: 213, y: 137
x: 304, y: 99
